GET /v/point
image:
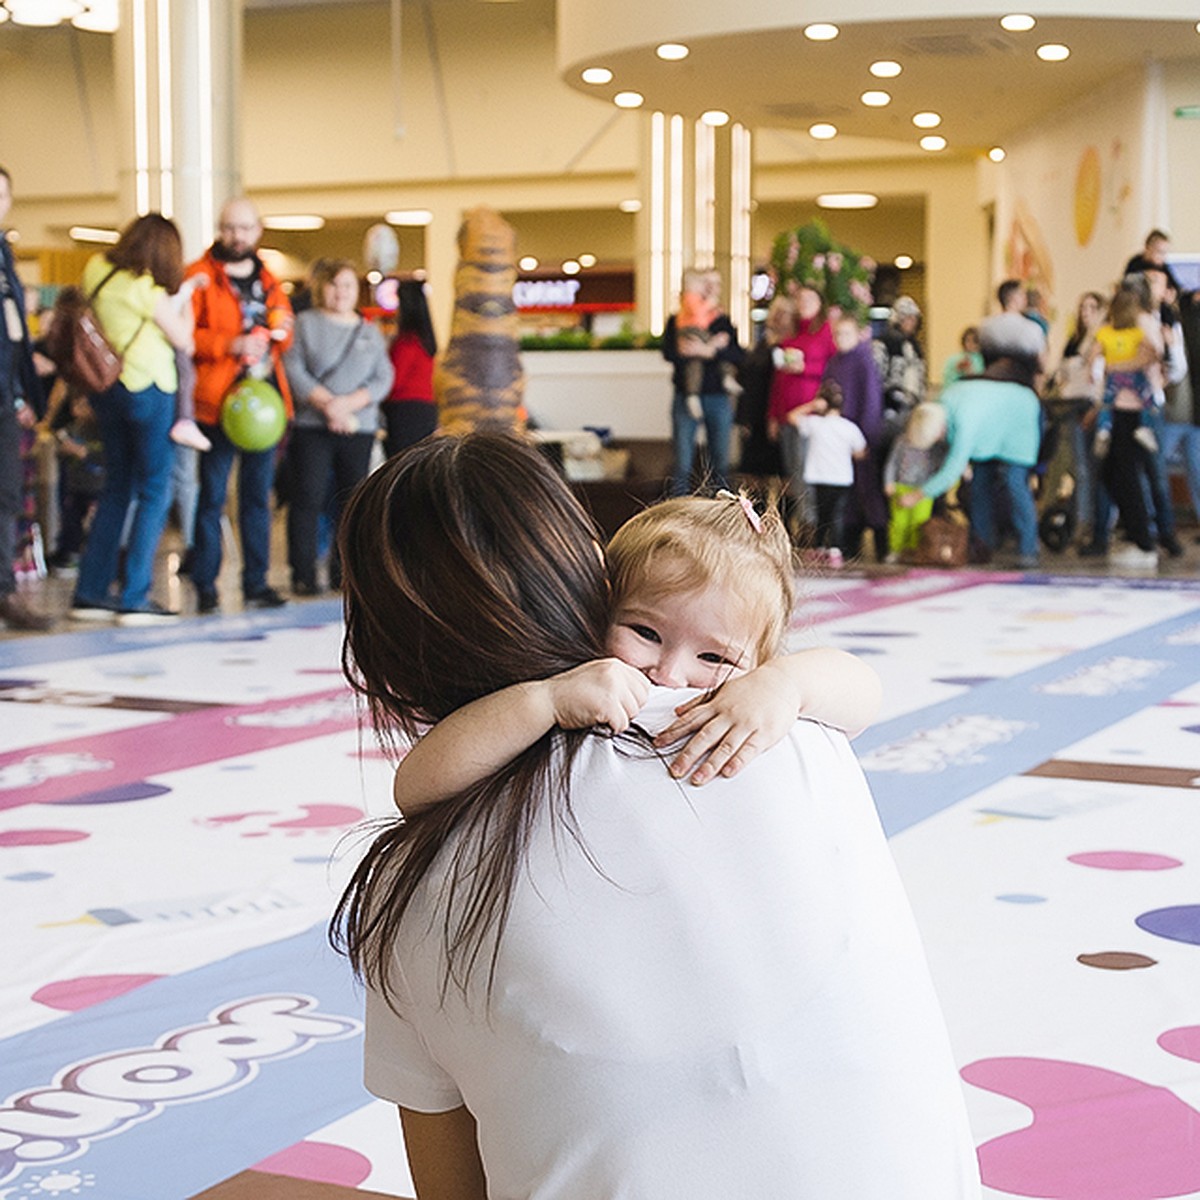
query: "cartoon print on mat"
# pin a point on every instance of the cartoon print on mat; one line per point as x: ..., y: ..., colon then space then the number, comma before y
x: 309, y: 818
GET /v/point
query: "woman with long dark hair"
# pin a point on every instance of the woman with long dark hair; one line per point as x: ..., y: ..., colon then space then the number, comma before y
x: 131, y: 287
x: 409, y: 411
x: 581, y: 980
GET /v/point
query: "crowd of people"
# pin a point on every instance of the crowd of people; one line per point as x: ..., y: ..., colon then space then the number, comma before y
x: 186, y: 336
x: 1031, y: 449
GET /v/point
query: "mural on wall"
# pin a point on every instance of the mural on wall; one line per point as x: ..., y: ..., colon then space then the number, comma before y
x: 1087, y: 195
x: 1027, y: 255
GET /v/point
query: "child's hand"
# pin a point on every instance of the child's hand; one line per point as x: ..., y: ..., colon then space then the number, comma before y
x: 747, y: 716
x: 604, y: 692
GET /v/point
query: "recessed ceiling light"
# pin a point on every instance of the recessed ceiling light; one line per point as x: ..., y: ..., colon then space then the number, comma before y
x: 629, y: 99
x: 408, y: 216
x: 903, y: 261
x: 715, y: 117
x: 933, y: 141
x: 294, y: 223
x: 672, y: 51
x: 1053, y: 52
x: 996, y: 154
x: 822, y: 131
x: 587, y: 260
x: 596, y: 75
x: 885, y: 69
x: 876, y: 99
x: 630, y: 206
x: 570, y: 267
x: 821, y: 32
x: 1017, y: 22
x: 926, y: 120
x: 847, y: 200
x: 528, y: 263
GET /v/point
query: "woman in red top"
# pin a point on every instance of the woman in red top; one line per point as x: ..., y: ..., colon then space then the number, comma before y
x: 410, y: 413
x: 799, y: 367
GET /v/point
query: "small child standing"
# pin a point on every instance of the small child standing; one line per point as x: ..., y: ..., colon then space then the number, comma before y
x: 697, y: 311
x: 702, y: 590
x: 81, y: 457
x: 834, y: 444
x: 916, y: 454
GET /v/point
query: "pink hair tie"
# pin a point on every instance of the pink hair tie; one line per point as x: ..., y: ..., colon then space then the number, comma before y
x: 748, y: 508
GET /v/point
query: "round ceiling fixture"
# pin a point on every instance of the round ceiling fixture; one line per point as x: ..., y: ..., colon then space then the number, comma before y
x: 997, y: 154
x: 715, y: 117
x: 596, y: 75
x: 821, y: 32
x: 933, y: 142
x: 672, y: 51
x: 1053, y: 52
x: 629, y: 99
x: 874, y: 99
x: 885, y: 68
x: 1017, y: 23
x: 903, y: 261
x: 822, y: 131
x: 927, y: 120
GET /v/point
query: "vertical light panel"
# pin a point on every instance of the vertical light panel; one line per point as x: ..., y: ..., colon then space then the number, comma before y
x: 204, y: 74
x: 739, y: 229
x: 166, y: 128
x: 141, y: 110
x: 675, y: 208
x: 658, y: 223
x: 705, y: 195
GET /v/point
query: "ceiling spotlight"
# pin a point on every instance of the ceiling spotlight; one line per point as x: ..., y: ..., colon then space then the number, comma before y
x: 43, y: 12
x: 294, y: 223
x: 876, y: 99
x: 408, y: 216
x: 715, y: 117
x: 847, y: 200
x: 374, y: 277
x: 102, y: 16
x: 996, y: 154
x: 528, y: 263
x: 1017, y: 22
x: 821, y: 32
x: 1053, y: 52
x: 822, y: 131
x: 629, y: 99
x: 630, y: 206
x: 885, y: 69
x: 672, y: 51
x: 933, y: 141
x: 587, y: 260
x: 596, y: 75
x: 926, y: 120
x: 570, y: 267
x: 903, y: 261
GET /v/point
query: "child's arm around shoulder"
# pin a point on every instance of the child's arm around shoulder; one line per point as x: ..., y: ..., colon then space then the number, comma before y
x: 752, y: 712
x: 481, y: 737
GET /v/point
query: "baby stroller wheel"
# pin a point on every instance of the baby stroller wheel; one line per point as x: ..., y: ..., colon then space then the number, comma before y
x: 1056, y: 527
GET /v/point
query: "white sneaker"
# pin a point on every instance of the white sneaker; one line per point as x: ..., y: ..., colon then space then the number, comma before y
x: 1101, y: 444
x: 1134, y: 558
x: 1144, y: 436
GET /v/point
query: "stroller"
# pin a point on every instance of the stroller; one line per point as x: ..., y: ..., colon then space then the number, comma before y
x: 1063, y: 471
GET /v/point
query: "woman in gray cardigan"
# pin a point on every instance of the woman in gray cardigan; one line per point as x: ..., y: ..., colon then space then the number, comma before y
x: 339, y: 371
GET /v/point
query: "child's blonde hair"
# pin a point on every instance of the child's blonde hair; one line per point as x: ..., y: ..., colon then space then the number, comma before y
x: 681, y: 545
x: 926, y: 425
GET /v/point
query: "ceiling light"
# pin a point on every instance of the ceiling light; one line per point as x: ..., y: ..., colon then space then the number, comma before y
x: 570, y: 267
x: 296, y: 223
x: 820, y: 32
x: 43, y: 12
x: 408, y: 216
x: 1053, y: 52
x: 926, y: 120
x: 903, y: 261
x: 629, y: 100
x: 587, y: 260
x: 715, y: 117
x: 528, y: 263
x: 596, y: 75
x: 933, y: 141
x: 996, y: 154
x: 847, y: 200
x: 885, y: 69
x: 374, y: 277
x: 822, y: 131
x: 88, y: 233
x: 1017, y: 22
x: 671, y: 51
x: 630, y: 206
x: 876, y: 99
x: 101, y: 17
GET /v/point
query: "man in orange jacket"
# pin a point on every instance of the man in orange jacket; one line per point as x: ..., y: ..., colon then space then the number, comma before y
x: 243, y: 326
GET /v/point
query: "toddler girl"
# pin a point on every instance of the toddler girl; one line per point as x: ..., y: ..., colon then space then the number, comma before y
x: 185, y: 431
x: 916, y: 454
x: 702, y: 593
x: 697, y: 311
x: 1128, y: 352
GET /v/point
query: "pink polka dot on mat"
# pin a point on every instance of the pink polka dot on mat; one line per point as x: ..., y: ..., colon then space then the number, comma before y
x: 71, y: 995
x: 1125, y: 860
x: 41, y: 837
x: 1183, y: 1042
x: 318, y: 1162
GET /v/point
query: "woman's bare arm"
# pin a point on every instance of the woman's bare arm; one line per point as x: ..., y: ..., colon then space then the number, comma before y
x: 443, y: 1155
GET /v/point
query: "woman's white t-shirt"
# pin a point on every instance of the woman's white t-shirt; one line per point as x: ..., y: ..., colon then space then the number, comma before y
x: 725, y: 996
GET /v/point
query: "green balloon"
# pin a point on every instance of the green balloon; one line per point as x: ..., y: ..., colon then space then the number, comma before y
x: 253, y: 416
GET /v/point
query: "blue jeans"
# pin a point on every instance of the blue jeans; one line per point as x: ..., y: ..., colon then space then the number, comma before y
x: 256, y: 473
x: 718, y: 427
x: 986, y: 474
x: 137, y: 463
x: 1180, y: 442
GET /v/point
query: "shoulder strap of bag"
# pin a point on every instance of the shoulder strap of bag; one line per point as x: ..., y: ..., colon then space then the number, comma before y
x: 141, y: 324
x: 329, y: 372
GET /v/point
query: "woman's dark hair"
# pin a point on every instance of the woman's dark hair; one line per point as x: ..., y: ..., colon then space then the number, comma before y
x: 323, y: 272
x: 468, y: 566
x: 151, y: 244
x: 413, y: 315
